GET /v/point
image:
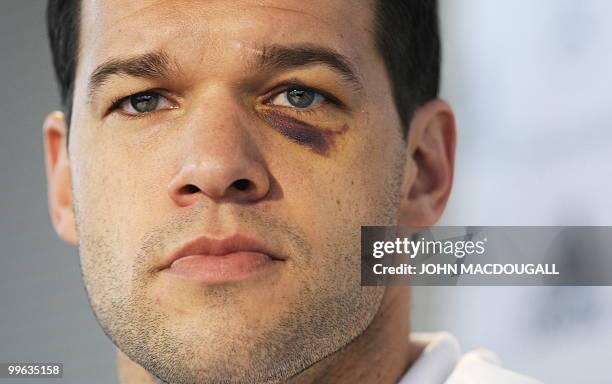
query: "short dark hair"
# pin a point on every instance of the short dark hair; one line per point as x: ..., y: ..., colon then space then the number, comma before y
x: 63, y: 32
x: 407, y: 37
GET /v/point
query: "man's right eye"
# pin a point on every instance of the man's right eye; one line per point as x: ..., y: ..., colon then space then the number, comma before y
x: 143, y: 103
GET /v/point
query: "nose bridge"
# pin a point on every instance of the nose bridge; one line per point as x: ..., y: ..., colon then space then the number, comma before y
x: 220, y: 159
x: 215, y: 123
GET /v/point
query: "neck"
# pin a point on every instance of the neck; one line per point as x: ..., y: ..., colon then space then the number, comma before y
x: 381, y: 354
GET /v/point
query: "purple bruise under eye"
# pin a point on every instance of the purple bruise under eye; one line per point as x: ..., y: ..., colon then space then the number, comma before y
x: 318, y: 140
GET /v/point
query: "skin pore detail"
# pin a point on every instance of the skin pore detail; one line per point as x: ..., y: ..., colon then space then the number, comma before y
x: 319, y: 140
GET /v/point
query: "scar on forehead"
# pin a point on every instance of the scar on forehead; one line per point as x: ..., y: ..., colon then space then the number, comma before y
x: 319, y: 140
x: 299, y: 12
x: 248, y: 48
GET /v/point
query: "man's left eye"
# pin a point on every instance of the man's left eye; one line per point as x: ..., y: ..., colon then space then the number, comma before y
x: 298, y: 98
x: 144, y: 102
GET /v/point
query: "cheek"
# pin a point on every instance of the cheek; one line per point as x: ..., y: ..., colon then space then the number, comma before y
x: 333, y: 199
x: 118, y: 196
x: 367, y: 181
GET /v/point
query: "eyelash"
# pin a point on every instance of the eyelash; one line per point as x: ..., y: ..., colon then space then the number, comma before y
x: 116, y: 103
x: 292, y: 84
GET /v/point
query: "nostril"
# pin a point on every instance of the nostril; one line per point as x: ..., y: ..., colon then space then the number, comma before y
x: 242, y: 184
x: 189, y: 189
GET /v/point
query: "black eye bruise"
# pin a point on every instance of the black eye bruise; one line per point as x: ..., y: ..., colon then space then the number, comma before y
x: 299, y: 132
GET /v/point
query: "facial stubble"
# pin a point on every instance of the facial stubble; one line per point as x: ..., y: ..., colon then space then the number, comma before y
x: 330, y: 310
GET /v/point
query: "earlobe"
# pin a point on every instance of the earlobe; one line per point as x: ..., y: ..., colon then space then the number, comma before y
x: 428, y: 175
x: 59, y: 182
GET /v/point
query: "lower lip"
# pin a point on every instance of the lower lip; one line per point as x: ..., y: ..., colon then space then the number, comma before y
x: 232, y: 267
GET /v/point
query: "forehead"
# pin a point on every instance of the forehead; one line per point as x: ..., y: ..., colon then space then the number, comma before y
x: 209, y: 30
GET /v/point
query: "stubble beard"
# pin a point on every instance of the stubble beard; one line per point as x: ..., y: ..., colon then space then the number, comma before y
x: 326, y: 315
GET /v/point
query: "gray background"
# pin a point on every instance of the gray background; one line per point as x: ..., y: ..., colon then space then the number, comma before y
x: 44, y: 314
x: 530, y: 82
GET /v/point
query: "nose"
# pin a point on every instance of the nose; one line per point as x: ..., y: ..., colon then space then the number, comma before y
x: 220, y: 162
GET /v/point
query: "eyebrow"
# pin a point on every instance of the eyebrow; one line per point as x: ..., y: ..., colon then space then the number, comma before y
x: 278, y: 57
x: 157, y: 65
x: 152, y: 65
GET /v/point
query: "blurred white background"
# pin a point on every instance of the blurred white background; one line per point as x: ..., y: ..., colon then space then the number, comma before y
x: 531, y: 85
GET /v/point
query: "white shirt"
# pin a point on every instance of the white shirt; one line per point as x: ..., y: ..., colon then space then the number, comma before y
x: 441, y: 363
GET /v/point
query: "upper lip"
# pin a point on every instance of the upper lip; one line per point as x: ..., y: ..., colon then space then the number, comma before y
x: 218, y: 247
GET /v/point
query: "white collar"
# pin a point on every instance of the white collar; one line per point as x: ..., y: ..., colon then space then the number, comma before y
x: 441, y: 363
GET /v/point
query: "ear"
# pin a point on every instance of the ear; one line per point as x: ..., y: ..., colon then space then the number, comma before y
x: 59, y: 181
x: 430, y: 161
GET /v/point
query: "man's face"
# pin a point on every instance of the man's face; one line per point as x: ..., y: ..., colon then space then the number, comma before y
x: 252, y: 128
